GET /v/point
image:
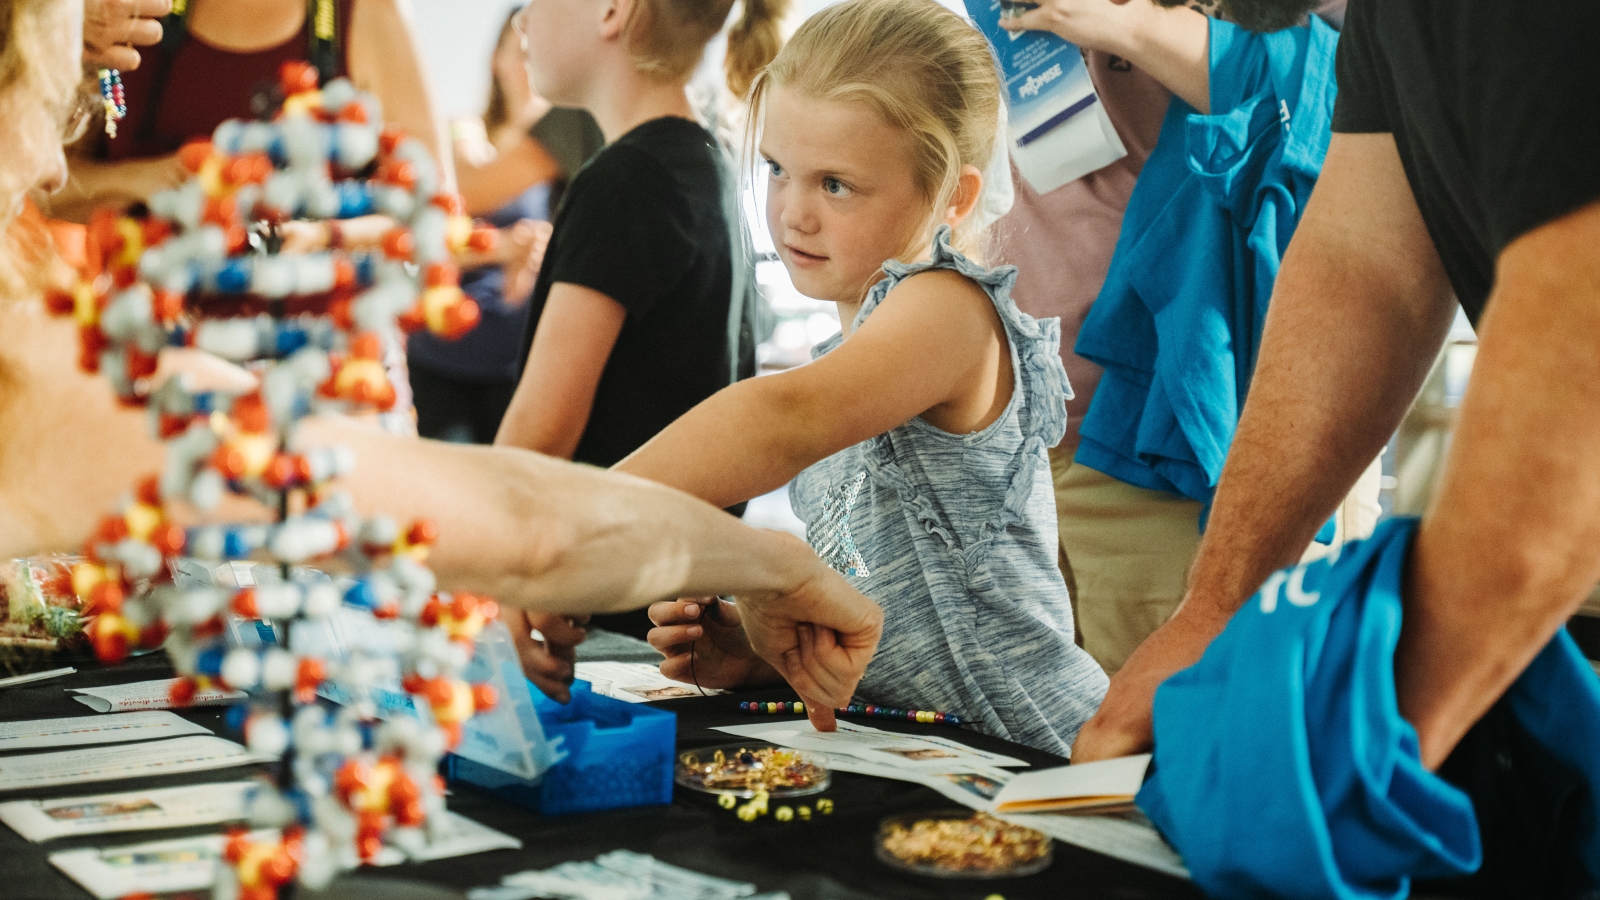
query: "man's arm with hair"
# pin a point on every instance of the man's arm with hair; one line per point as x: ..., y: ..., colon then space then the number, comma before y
x: 1507, y: 552
x: 1359, y: 312
x: 534, y: 532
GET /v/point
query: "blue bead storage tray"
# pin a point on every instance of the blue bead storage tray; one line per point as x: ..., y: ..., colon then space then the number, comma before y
x: 617, y: 755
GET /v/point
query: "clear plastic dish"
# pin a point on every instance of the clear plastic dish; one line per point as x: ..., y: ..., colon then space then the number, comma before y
x: 743, y: 770
x: 960, y: 843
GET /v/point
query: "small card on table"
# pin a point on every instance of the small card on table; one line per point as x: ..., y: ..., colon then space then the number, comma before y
x: 1098, y: 786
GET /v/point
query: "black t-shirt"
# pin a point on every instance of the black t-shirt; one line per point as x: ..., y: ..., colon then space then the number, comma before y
x: 643, y: 223
x: 1495, y: 107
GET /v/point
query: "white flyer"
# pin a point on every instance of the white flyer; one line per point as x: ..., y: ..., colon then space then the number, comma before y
x: 924, y: 753
x: 146, y: 695
x: 636, y: 682
x: 179, y: 807
x: 190, y: 864
x: 461, y: 836
x: 158, y: 867
x: 1126, y: 836
x: 971, y: 786
x: 1059, y: 129
x: 169, y: 757
x: 82, y: 730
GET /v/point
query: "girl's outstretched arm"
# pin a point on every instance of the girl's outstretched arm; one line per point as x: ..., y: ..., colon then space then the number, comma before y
x: 934, y: 348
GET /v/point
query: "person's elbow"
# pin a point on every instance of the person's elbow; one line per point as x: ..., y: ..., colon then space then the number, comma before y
x: 553, y: 429
x: 801, y: 421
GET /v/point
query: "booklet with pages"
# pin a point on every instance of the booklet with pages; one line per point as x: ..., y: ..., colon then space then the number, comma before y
x: 1098, y: 786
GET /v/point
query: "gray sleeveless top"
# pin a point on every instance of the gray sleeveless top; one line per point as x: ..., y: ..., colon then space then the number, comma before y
x: 954, y: 535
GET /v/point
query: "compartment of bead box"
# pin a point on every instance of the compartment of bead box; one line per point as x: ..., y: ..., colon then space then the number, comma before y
x: 618, y: 755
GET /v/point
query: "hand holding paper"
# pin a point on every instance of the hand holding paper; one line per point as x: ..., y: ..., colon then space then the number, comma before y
x: 1169, y: 42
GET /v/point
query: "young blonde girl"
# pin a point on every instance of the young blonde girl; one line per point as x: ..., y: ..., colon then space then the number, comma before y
x: 916, y: 438
x: 629, y: 318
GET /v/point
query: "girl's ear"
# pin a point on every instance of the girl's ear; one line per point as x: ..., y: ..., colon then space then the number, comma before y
x: 614, y: 21
x: 969, y: 187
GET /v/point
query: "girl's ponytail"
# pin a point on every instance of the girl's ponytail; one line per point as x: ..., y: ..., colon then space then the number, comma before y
x: 666, y: 38
x: 753, y: 41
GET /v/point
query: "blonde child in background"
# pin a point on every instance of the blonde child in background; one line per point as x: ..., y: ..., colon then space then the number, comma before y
x: 629, y: 318
x: 917, y: 437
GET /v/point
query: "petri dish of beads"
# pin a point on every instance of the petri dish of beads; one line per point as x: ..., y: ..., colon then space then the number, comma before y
x: 744, y: 770
x: 958, y: 843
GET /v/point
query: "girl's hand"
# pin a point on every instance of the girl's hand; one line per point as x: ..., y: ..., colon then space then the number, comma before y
x: 522, y: 249
x: 723, y: 657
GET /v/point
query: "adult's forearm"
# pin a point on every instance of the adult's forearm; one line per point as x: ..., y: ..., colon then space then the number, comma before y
x: 1344, y: 350
x: 552, y: 535
x: 1174, y: 48
x: 1508, y: 550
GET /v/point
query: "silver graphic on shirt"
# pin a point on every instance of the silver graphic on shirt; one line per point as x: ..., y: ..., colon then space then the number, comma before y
x: 834, y: 543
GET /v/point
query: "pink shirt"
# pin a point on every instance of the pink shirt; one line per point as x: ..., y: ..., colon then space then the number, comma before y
x: 1061, y: 242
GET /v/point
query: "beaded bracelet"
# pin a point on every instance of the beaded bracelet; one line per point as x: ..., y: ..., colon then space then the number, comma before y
x: 855, y: 709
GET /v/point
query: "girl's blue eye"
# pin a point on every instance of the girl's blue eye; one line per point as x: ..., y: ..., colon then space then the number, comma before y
x: 835, y: 187
x: 775, y: 169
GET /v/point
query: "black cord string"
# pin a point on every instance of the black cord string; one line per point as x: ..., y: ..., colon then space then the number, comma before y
x: 701, y: 620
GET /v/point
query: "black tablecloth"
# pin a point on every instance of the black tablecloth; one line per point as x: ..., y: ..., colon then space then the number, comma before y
x: 828, y: 857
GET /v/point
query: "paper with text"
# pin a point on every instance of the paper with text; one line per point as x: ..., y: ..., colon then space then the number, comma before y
x: 169, y: 757
x: 636, y: 682
x: 147, y: 695
x: 910, y: 751
x: 179, y: 807
x: 84, y: 730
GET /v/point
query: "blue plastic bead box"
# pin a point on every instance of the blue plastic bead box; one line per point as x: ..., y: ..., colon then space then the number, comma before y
x: 617, y: 755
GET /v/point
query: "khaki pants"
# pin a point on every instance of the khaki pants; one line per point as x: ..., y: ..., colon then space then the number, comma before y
x: 1125, y: 551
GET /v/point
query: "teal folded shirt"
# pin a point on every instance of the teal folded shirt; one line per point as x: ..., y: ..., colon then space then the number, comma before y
x: 1178, y: 322
x: 1283, y: 768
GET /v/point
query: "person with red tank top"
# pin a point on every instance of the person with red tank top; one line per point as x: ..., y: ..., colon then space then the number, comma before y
x: 218, y: 60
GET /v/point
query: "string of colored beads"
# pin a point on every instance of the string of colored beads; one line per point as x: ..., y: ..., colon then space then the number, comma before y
x: 789, y: 707
x: 115, y: 99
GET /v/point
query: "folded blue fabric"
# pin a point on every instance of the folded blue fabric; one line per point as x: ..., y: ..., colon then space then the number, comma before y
x: 1283, y: 768
x: 1178, y: 321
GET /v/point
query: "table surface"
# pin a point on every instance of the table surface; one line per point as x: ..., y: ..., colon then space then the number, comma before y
x: 829, y: 857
